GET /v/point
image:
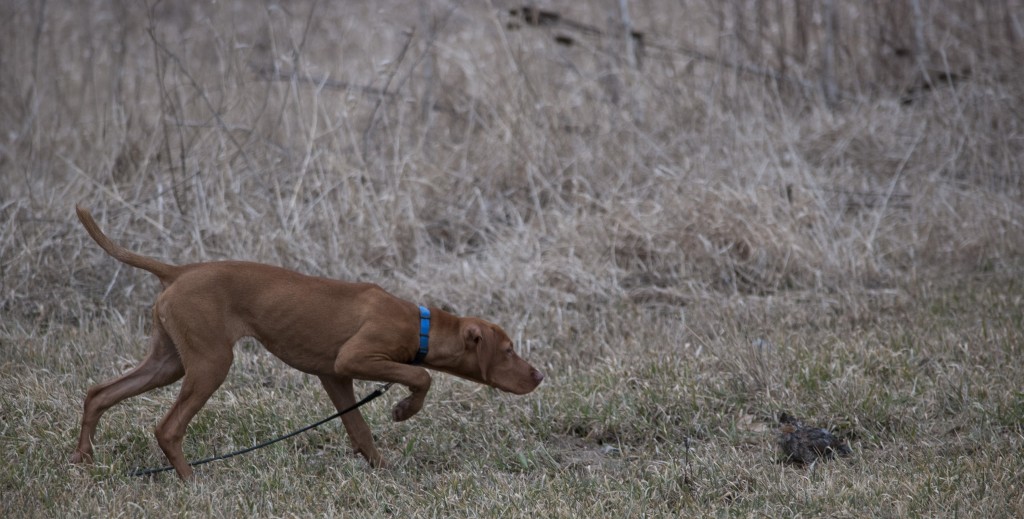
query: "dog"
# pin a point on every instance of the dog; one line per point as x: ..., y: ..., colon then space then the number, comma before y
x: 338, y: 331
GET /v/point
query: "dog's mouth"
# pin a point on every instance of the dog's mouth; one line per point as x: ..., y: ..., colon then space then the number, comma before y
x: 518, y: 385
x: 534, y: 380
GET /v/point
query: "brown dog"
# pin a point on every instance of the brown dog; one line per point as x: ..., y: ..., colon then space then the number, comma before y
x: 335, y: 330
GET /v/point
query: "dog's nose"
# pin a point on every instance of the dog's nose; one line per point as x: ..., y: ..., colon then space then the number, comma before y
x: 537, y: 375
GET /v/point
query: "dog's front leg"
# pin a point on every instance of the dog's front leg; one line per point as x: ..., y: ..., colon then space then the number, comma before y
x: 412, y: 404
x: 340, y: 391
x: 351, y: 363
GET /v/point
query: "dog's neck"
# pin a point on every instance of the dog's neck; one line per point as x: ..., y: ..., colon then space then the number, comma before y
x: 445, y: 339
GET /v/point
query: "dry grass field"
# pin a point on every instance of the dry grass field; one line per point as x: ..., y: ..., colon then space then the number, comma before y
x: 692, y: 215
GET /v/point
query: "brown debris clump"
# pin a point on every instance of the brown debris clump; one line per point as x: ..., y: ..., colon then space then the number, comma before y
x: 804, y: 444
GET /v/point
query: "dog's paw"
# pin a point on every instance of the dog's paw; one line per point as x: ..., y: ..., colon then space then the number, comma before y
x: 380, y: 463
x: 405, y: 409
x: 79, y: 457
x: 372, y: 456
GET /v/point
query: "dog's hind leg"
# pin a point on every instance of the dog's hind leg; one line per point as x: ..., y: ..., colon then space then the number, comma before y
x: 161, y: 367
x: 206, y: 353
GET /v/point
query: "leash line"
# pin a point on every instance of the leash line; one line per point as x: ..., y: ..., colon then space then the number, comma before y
x: 376, y: 393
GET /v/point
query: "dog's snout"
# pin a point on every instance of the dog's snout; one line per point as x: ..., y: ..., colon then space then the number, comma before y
x: 537, y: 375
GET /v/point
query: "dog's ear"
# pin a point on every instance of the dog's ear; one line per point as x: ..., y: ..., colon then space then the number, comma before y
x: 474, y: 339
x: 472, y: 335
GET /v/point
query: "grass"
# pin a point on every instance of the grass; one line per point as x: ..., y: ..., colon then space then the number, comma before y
x: 925, y: 396
x: 686, y: 248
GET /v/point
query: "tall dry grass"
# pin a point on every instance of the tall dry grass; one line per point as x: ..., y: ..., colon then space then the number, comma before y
x: 393, y: 140
x: 577, y: 184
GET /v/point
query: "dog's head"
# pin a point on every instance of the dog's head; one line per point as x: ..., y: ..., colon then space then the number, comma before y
x: 491, y: 359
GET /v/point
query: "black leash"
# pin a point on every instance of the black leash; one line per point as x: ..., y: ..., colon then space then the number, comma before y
x: 376, y: 393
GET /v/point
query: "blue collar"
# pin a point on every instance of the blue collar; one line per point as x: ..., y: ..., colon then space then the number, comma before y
x: 424, y: 335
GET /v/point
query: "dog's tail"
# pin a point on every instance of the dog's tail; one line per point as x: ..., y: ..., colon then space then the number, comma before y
x: 166, y: 273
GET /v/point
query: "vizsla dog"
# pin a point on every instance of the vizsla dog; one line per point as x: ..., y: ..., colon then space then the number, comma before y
x: 335, y: 330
